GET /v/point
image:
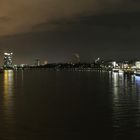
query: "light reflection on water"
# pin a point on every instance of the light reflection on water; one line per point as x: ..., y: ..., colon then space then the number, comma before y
x: 8, y: 87
x: 8, y: 103
x: 8, y: 90
x: 126, y: 105
x: 137, y: 81
x: 48, y: 105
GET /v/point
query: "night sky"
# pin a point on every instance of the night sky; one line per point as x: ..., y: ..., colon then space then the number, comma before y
x: 54, y: 30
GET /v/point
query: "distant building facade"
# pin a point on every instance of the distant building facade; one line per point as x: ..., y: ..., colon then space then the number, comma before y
x: 45, y: 62
x: 37, y: 62
x: 8, y: 63
x: 137, y: 63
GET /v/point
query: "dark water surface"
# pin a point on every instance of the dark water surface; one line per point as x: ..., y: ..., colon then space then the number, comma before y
x: 43, y: 105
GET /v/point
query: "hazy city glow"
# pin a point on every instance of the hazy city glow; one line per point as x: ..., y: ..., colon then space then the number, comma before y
x: 69, y: 69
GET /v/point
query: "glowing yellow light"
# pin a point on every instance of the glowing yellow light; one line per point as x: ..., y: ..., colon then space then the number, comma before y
x: 8, y: 86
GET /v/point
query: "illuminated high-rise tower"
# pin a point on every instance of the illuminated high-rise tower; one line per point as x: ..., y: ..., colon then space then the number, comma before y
x: 8, y: 60
x: 37, y: 62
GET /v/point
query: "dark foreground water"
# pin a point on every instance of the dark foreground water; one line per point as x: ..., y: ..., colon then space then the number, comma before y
x: 43, y: 105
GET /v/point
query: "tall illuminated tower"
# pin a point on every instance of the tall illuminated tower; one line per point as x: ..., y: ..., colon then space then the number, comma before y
x: 37, y: 62
x: 8, y: 60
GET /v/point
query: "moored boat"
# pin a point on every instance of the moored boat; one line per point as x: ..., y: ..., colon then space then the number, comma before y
x: 128, y: 72
x: 137, y: 72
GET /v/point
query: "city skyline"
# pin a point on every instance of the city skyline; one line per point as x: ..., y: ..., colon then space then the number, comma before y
x: 54, y: 31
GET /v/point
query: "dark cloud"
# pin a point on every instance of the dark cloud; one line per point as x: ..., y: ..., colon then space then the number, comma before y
x: 56, y: 29
x: 106, y: 35
x: 4, y: 19
x: 26, y: 15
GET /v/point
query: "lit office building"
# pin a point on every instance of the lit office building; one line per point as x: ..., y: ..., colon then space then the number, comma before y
x: 45, y: 62
x: 8, y: 60
x: 137, y: 64
x: 37, y: 62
